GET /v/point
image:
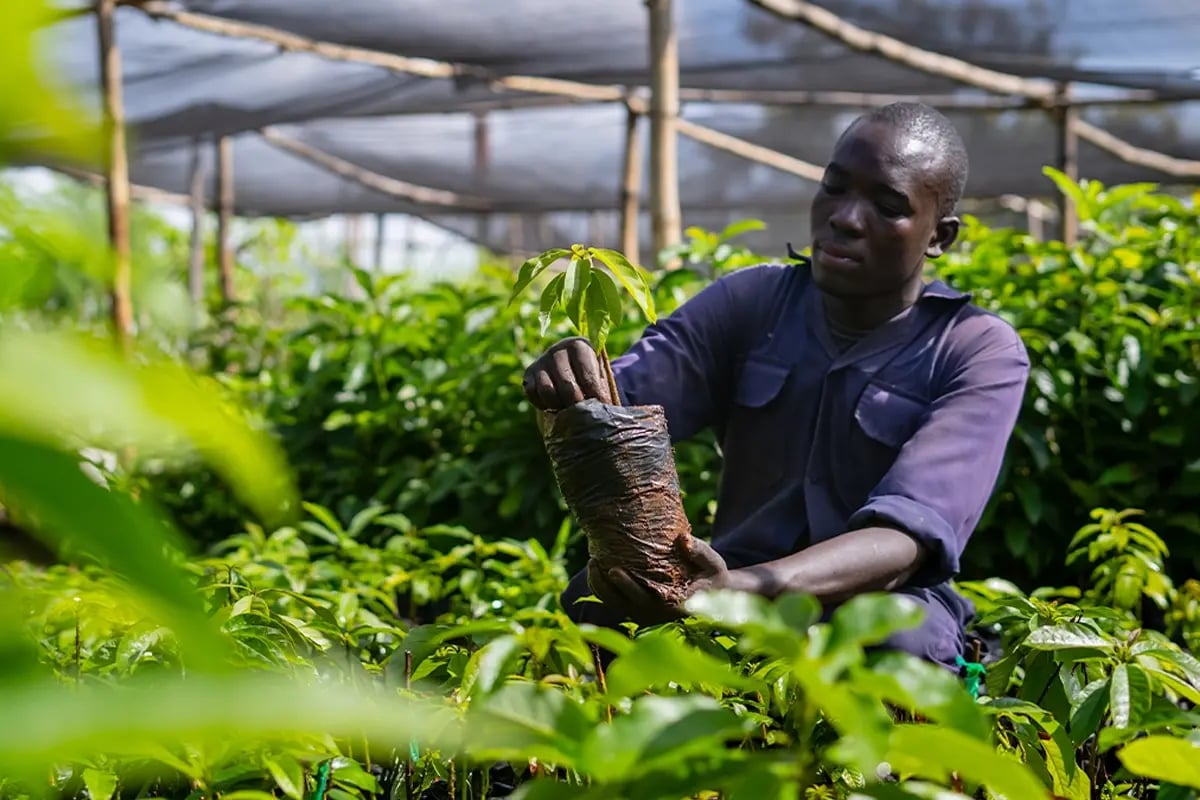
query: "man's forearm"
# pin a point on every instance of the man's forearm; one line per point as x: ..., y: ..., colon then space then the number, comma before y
x: 866, y: 560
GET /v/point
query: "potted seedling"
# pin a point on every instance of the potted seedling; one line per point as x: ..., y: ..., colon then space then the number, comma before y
x: 614, y: 464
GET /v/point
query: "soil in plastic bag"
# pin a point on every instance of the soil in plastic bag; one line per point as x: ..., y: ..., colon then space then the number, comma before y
x: 616, y: 470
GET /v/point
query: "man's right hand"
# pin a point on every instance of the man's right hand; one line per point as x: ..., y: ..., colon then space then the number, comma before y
x: 566, y: 374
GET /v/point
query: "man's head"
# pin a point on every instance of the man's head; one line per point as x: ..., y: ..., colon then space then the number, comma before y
x: 887, y: 201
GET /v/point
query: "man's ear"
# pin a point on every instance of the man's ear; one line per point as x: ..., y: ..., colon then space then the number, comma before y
x: 944, y: 235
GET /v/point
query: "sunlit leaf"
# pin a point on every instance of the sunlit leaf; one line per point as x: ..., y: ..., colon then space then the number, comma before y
x: 633, y: 278
x: 659, y: 658
x: 534, y: 267
x: 1163, y: 758
x: 62, y: 389
x: 551, y: 299
x: 937, y: 752
x: 657, y: 731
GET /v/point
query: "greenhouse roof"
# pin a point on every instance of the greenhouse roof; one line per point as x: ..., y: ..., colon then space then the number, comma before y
x: 443, y: 99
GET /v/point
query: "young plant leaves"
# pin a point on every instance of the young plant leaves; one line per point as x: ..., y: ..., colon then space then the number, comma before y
x: 551, y: 299
x: 631, y: 277
x: 534, y: 267
x: 579, y: 275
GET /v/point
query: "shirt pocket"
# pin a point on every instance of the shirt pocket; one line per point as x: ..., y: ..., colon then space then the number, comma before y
x: 756, y: 430
x: 887, y: 416
x: 760, y: 382
x: 884, y: 420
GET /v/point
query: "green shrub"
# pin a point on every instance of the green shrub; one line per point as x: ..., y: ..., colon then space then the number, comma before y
x: 1113, y: 332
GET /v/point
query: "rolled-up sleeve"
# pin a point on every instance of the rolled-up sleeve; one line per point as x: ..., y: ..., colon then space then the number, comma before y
x: 684, y: 362
x: 940, y: 483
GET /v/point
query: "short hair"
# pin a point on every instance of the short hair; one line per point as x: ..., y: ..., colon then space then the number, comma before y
x: 930, y: 126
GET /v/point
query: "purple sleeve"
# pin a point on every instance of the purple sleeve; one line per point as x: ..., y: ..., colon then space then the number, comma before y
x: 684, y: 362
x: 941, y: 481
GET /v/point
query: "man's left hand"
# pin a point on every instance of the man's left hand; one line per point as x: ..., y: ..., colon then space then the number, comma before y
x: 701, y: 561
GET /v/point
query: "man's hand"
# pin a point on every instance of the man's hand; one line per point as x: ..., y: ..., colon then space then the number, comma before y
x: 618, y: 588
x: 566, y: 374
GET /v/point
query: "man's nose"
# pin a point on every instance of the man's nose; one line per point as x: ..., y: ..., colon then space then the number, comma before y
x: 847, y: 218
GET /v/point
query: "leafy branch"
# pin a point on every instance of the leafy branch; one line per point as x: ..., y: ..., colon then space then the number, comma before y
x: 587, y: 295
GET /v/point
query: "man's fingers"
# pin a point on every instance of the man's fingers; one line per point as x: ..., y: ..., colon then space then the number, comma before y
x: 564, y: 378
x: 699, y: 554
x: 545, y: 395
x: 620, y: 580
x: 586, y: 368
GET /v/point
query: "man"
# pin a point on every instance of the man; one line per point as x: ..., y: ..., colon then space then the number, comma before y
x: 862, y: 412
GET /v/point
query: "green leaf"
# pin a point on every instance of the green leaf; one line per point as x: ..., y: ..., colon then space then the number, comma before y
x: 662, y: 657
x: 1068, y: 635
x: 740, y: 227
x: 599, y: 322
x: 288, y: 775
x: 100, y: 783
x: 1118, y: 474
x: 127, y: 536
x: 488, y: 665
x: 1163, y: 758
x: 351, y: 772
x: 1087, y: 710
x: 57, y: 388
x: 1030, y: 495
x: 46, y: 725
x: 870, y: 619
x: 1129, y: 695
x: 551, y: 298
x: 38, y: 119
x: 1071, y: 189
x: 534, y: 267
x: 657, y: 731
x: 932, y: 691
x: 633, y: 278
x: 936, y: 752
x: 578, y: 276
x: 521, y: 721
x: 551, y: 789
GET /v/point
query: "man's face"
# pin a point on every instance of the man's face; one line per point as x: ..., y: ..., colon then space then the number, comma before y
x: 875, y: 216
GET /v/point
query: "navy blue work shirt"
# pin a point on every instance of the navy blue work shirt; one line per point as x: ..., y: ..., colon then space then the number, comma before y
x: 905, y: 428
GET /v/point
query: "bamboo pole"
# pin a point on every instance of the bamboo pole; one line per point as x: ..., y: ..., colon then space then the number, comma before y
x: 424, y: 67
x: 555, y: 91
x: 225, y: 203
x: 899, y: 52
x: 664, y: 112
x: 196, y: 256
x: 1132, y: 154
x: 1067, y: 161
x: 750, y: 151
x: 117, y: 188
x: 147, y: 194
x: 380, y: 224
x: 631, y: 186
x: 482, y: 164
x: 383, y: 184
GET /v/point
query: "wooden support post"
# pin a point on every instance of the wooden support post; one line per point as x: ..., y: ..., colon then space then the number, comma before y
x: 196, y: 201
x: 482, y: 166
x: 631, y: 186
x: 117, y: 189
x: 225, y: 216
x: 1067, y: 161
x: 380, y: 224
x: 664, y: 110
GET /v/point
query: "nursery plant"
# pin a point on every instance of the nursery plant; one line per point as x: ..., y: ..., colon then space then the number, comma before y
x: 614, y: 464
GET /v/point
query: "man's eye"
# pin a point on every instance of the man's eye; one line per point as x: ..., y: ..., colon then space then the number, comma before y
x: 831, y: 187
x: 891, y: 209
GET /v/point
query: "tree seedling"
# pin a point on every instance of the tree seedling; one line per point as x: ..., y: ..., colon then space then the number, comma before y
x: 587, y: 295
